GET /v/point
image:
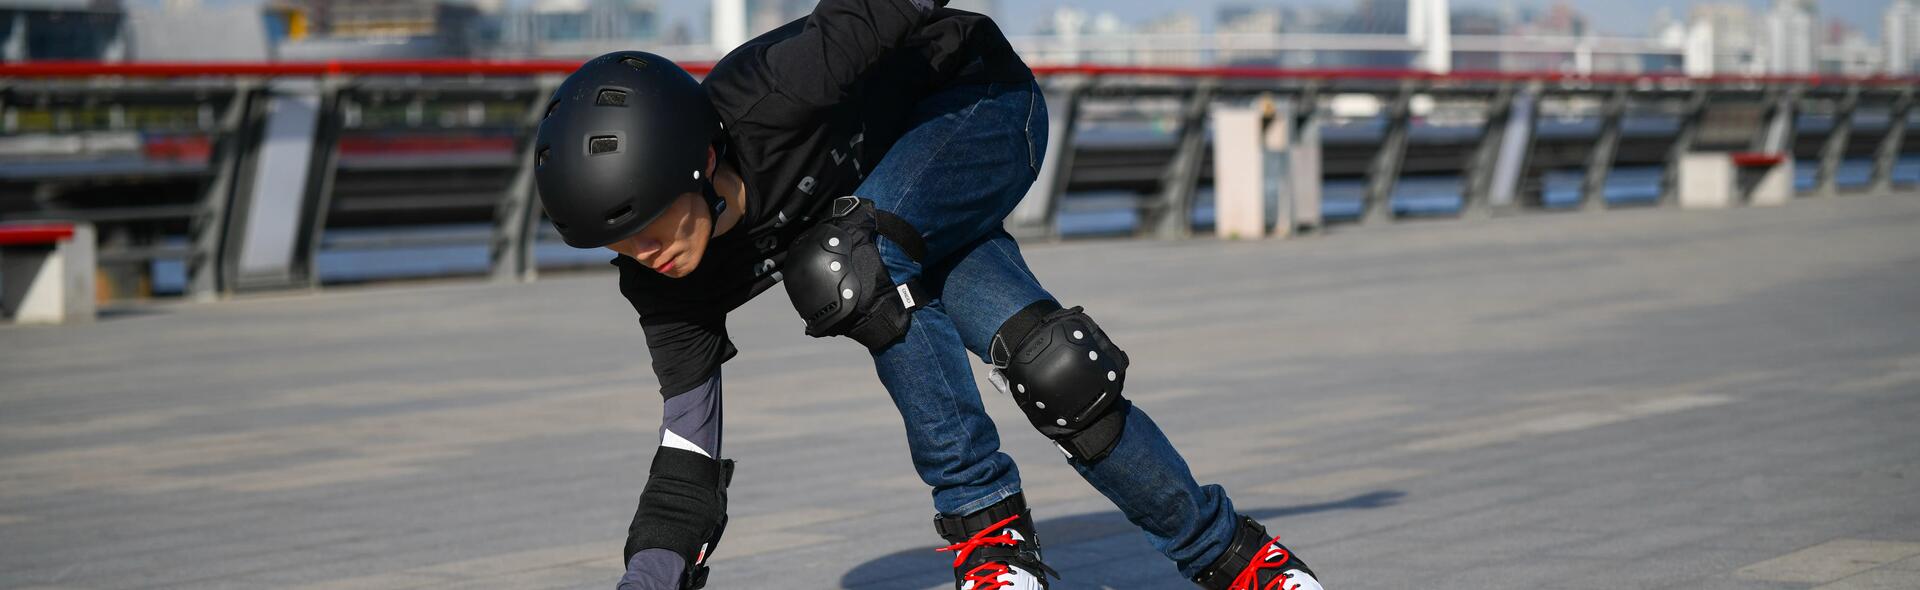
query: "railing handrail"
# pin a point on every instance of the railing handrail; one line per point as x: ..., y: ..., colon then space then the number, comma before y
x: 87, y: 69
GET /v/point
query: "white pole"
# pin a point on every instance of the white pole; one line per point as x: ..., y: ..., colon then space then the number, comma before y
x: 729, y: 24
x: 1430, y: 32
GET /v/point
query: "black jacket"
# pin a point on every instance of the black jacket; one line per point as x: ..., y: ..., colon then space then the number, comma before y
x: 809, y: 108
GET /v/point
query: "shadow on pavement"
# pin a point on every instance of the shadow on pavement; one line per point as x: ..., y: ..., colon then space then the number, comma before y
x: 905, y: 568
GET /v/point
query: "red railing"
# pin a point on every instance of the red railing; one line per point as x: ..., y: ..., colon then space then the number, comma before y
x: 73, y: 69
x: 34, y: 234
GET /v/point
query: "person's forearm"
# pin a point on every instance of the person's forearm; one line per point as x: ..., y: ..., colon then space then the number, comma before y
x: 690, y: 421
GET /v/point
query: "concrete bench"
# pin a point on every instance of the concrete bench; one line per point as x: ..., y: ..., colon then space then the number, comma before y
x: 46, y: 272
x: 1716, y: 180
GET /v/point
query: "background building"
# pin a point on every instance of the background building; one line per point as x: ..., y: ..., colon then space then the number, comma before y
x: 1900, y: 36
x: 579, y: 28
x: 1787, y: 38
x: 61, y: 29
x: 385, y: 29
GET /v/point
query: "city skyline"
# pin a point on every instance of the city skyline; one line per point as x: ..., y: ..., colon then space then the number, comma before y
x: 1022, y: 18
x: 1629, y: 17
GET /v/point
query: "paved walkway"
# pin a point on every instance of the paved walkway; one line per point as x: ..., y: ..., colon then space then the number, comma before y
x: 1634, y: 399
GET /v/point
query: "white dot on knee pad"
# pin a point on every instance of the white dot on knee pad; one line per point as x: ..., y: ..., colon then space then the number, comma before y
x: 833, y: 241
x: 1112, y: 375
x: 1077, y: 335
x: 1021, y: 387
x: 1093, y: 356
x: 1060, y: 421
x: 846, y: 293
x: 1041, y: 405
x: 834, y: 266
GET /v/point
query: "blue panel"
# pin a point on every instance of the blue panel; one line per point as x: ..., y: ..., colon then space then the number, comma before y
x: 1906, y: 170
x: 1438, y: 194
x: 1854, y: 173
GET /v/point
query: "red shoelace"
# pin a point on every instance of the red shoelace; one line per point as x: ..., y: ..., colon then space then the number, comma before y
x: 1249, y: 578
x: 987, y: 576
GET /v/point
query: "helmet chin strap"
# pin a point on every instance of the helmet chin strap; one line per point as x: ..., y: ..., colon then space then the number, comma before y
x: 715, y: 203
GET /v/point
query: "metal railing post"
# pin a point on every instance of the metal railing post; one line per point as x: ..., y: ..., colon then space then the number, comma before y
x: 1377, y: 204
x: 1486, y: 153
x: 516, y: 217
x: 1593, y: 187
x: 1170, y: 217
x: 1826, y: 180
x: 1778, y: 136
x: 207, y: 274
x: 1690, y: 115
x: 1308, y: 184
x: 1888, y: 153
x: 1034, y: 216
x: 1510, y: 168
x: 321, y: 170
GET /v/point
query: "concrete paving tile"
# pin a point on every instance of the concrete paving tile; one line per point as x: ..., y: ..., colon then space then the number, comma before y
x: 1876, y: 579
x: 1830, y: 561
x: 1640, y: 399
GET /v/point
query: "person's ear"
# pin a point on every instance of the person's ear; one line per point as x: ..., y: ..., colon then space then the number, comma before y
x: 713, y: 160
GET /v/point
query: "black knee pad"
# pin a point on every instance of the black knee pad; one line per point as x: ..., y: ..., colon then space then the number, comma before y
x: 683, y: 510
x: 1066, y: 375
x: 837, y: 282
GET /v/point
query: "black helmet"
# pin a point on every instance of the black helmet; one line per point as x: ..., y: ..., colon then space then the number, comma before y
x: 623, y: 137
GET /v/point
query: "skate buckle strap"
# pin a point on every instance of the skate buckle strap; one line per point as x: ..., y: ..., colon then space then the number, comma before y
x: 986, y: 576
x: 956, y: 528
x: 964, y: 549
x: 1249, y: 553
x: 1249, y: 578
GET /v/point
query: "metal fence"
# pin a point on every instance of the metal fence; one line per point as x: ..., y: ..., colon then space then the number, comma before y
x: 246, y: 171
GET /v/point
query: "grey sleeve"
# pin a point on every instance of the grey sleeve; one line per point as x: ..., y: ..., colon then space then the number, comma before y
x: 694, y: 417
x: 653, y: 569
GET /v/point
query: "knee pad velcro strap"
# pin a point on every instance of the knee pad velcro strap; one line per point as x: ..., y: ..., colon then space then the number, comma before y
x: 1066, y: 375
x: 683, y: 509
x: 839, y: 285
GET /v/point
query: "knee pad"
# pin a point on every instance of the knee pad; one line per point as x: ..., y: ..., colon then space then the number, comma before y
x: 683, y: 510
x: 1066, y: 375
x: 837, y: 282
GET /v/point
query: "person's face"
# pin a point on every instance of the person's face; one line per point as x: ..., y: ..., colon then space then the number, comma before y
x: 673, y: 244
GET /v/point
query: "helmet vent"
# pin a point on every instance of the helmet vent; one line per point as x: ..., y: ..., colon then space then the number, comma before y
x: 611, y: 98
x: 618, y: 215
x: 603, y: 144
x: 635, y: 63
x: 540, y: 159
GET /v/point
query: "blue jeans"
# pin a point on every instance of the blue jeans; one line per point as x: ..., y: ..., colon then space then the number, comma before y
x: 968, y: 159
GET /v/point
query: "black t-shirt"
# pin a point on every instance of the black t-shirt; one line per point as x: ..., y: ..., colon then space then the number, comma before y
x: 809, y: 108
